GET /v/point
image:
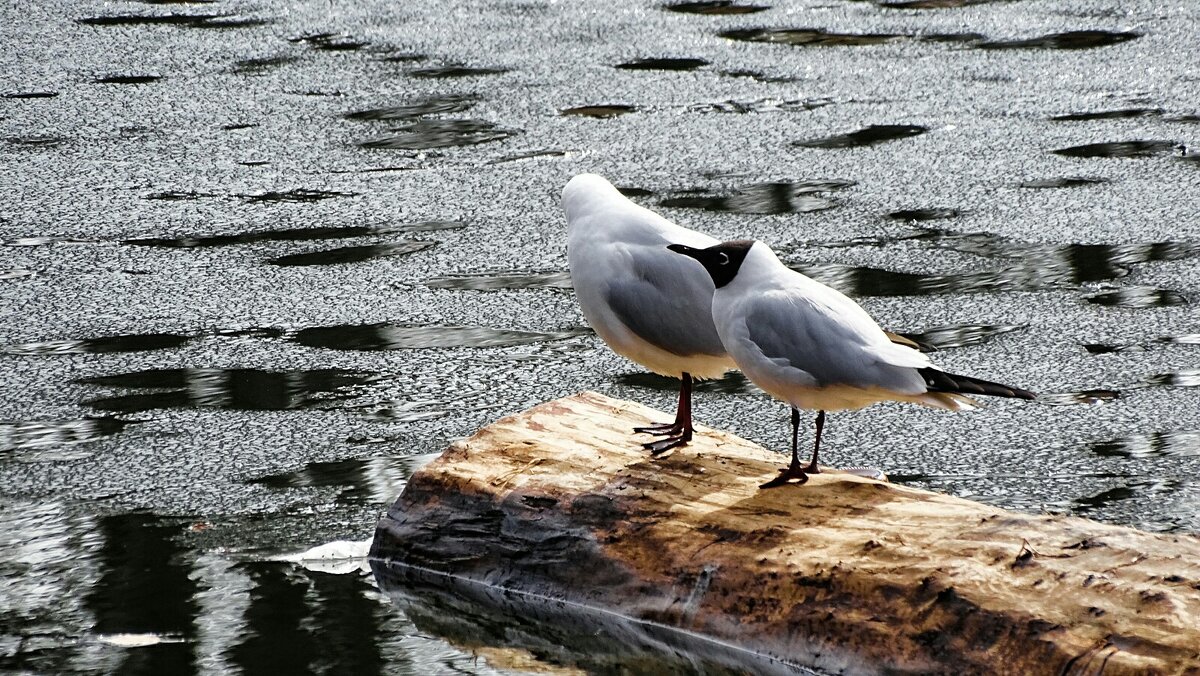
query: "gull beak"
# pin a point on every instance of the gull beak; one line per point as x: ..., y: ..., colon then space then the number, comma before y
x: 685, y: 250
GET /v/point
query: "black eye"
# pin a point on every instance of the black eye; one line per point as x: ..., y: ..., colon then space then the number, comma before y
x: 722, y: 258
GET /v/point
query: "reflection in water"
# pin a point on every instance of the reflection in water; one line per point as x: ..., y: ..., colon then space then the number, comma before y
x: 296, y: 234
x: 240, y: 389
x: 127, y: 79
x: 514, y: 279
x: 297, y: 195
x: 450, y: 103
x: 929, y: 214
x: 1035, y: 267
x: 332, y: 42
x: 427, y: 134
x: 1109, y: 348
x: 762, y: 198
x: 599, y: 111
x: 714, y: 7
x: 351, y: 254
x: 373, y: 481
x: 663, y: 64
x: 1181, y: 493
x: 1138, y: 297
x: 408, y: 336
x: 1084, y: 397
x: 146, y: 587
x: 1119, y: 149
x: 876, y: 133
x: 963, y: 335
x: 539, y: 634
x: 804, y: 37
x: 1068, y: 40
x: 128, y: 343
x: 769, y: 105
x: 1064, y: 182
x: 43, y: 433
x: 1154, y: 445
x: 1109, y: 114
x: 1177, y: 379
x: 260, y: 66
x: 450, y: 71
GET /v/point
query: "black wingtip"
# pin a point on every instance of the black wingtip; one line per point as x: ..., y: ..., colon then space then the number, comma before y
x: 940, y: 381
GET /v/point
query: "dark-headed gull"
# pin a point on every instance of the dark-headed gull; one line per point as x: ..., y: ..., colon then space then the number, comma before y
x: 813, y: 348
x: 648, y: 304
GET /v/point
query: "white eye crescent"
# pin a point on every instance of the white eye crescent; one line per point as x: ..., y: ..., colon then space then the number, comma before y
x: 722, y: 258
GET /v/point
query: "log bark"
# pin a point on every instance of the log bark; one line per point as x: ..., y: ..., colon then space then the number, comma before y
x: 841, y: 574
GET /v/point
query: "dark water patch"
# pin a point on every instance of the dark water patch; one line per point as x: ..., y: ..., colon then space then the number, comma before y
x: 260, y: 66
x: 127, y: 79
x: 876, y: 133
x: 236, y: 389
x: 264, y: 332
x: 333, y: 42
x: 254, y: 163
x: 533, y: 154
x: 758, y: 77
x: 1138, y: 297
x: 505, y: 279
x: 427, y: 134
x: 177, y: 195
x: 15, y: 273
x: 961, y: 335
x: 28, y: 95
x: 177, y: 2
x: 227, y: 22
x: 46, y: 433
x: 298, y: 234
x: 714, y: 7
x: 1138, y: 499
x: 147, y: 19
x: 366, y: 481
x: 297, y: 195
x: 35, y: 141
x: 762, y: 198
x: 663, y: 64
x: 804, y: 37
x: 732, y: 382
x: 1153, y: 445
x: 599, y: 111
x: 630, y: 191
x: 436, y: 105
x: 1082, y: 397
x: 386, y: 336
x: 761, y: 106
x: 1064, y: 182
x: 240, y: 125
x: 452, y: 71
x: 1109, y: 114
x: 351, y: 254
x: 928, y: 214
x: 407, y: 57
x: 43, y: 241
x: 127, y: 343
x: 1119, y: 149
x: 1177, y: 379
x: 931, y: 4
x: 1068, y: 40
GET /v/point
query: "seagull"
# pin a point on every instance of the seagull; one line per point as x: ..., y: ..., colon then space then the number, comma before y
x: 812, y: 347
x: 648, y: 304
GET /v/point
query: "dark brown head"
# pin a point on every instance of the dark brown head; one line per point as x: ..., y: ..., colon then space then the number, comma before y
x: 721, y: 260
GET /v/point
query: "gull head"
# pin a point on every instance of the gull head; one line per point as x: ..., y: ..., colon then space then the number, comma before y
x: 587, y: 189
x: 722, y: 261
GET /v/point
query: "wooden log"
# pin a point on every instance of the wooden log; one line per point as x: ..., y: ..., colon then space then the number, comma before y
x: 843, y: 574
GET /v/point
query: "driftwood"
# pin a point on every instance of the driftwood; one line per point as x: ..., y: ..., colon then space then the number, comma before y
x: 842, y: 574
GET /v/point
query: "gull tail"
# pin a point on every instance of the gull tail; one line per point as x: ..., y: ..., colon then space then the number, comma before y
x: 940, y: 381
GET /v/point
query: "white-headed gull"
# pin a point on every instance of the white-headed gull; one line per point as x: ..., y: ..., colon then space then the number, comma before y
x: 648, y: 304
x: 813, y: 348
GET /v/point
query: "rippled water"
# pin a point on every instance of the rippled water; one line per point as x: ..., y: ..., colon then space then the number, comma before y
x: 261, y: 262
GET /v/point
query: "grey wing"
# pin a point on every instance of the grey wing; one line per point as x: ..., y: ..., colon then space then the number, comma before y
x: 667, y: 301
x: 834, y: 350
